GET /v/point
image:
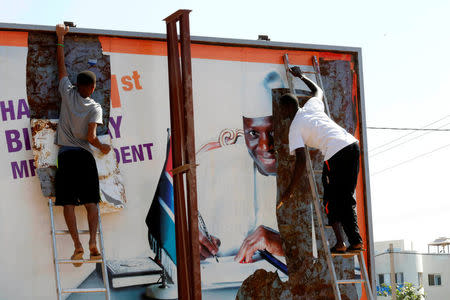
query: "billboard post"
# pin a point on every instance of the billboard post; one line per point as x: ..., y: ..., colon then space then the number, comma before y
x: 182, y: 120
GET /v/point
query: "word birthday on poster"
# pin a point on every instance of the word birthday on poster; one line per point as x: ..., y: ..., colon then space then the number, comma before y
x: 19, y: 139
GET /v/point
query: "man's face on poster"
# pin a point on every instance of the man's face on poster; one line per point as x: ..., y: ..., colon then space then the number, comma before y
x: 258, y: 134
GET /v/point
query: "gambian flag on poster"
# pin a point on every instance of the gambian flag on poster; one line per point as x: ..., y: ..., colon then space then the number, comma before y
x: 161, y: 219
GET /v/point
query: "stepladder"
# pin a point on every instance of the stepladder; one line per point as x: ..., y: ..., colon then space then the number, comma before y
x: 63, y: 292
x: 316, y: 203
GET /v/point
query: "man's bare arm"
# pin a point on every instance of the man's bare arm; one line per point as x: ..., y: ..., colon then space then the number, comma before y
x: 317, y: 91
x: 61, y: 30
x: 94, y: 141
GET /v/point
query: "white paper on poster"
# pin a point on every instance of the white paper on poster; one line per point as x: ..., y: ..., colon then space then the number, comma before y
x: 229, y: 273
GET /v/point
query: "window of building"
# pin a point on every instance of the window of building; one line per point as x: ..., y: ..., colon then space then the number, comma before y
x: 381, y: 279
x: 399, y: 278
x: 420, y: 278
x: 434, y: 279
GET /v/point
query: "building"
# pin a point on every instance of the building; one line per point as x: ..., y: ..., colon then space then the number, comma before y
x: 430, y: 270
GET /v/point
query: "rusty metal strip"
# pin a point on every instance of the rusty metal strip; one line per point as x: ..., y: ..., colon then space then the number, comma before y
x: 182, y: 118
x: 191, y: 176
x: 181, y: 232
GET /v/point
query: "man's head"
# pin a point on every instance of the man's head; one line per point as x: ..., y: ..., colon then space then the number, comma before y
x: 86, y: 83
x: 257, y: 119
x: 289, y: 106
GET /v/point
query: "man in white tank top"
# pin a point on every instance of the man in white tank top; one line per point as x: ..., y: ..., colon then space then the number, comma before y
x: 312, y: 127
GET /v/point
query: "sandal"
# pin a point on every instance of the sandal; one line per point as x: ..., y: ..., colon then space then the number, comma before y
x: 336, y: 251
x: 77, y: 255
x: 352, y: 248
x: 94, y: 253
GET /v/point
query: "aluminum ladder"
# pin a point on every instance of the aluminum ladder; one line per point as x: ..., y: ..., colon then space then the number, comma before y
x: 57, y: 261
x: 316, y: 198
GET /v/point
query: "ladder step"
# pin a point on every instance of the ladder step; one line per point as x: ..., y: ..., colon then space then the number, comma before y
x: 304, y: 72
x: 91, y: 290
x: 347, y: 281
x: 318, y: 172
x: 346, y: 254
x: 65, y: 232
x: 85, y: 261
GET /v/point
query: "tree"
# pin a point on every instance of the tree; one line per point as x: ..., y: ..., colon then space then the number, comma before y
x: 406, y: 291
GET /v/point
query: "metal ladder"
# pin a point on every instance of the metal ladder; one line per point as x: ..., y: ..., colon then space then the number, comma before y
x: 57, y: 261
x: 316, y: 199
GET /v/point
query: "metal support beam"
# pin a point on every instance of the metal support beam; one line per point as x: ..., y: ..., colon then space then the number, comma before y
x: 183, y: 151
x: 191, y: 175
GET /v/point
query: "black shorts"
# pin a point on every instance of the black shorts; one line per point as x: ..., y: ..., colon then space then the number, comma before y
x: 76, y: 178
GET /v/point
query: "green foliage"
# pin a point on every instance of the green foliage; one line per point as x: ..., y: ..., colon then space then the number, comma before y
x: 406, y: 291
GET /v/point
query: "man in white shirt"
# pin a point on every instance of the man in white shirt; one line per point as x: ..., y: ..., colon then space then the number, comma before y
x: 312, y: 127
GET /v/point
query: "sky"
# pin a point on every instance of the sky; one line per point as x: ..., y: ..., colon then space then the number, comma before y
x: 405, y: 50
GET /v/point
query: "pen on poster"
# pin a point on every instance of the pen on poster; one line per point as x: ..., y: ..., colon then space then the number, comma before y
x: 205, y: 232
x: 273, y: 261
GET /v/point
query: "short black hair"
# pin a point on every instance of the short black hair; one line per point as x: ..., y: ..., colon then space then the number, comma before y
x: 86, y: 78
x: 289, y: 100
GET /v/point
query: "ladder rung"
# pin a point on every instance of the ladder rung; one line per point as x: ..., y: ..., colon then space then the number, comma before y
x: 347, y: 281
x: 64, y: 232
x: 71, y: 261
x: 318, y: 172
x: 305, y: 72
x: 91, y: 290
x: 346, y: 254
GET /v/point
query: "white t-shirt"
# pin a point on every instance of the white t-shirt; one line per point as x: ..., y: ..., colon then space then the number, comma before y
x: 311, y: 126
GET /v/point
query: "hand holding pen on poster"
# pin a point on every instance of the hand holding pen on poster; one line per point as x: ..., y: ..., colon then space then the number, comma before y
x: 209, y: 245
x: 263, y: 238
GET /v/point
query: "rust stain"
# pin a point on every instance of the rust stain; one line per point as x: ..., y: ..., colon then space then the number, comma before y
x: 42, y: 73
x: 264, y: 285
x: 39, y: 125
x: 103, y: 177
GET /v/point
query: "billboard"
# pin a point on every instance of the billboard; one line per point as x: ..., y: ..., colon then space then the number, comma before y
x: 237, y: 190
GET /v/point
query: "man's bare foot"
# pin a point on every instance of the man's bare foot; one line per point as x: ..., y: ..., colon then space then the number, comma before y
x: 94, y: 253
x: 77, y: 255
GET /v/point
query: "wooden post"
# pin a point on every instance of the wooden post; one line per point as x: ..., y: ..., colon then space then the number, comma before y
x: 393, y: 283
x: 177, y: 153
x: 183, y: 152
x: 191, y: 175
